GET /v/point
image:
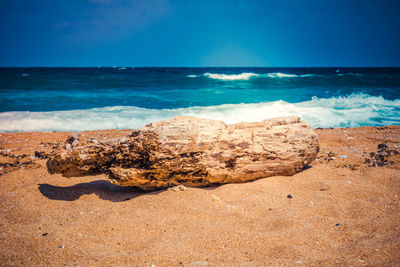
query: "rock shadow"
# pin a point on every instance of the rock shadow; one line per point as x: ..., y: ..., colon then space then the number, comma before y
x: 103, y: 189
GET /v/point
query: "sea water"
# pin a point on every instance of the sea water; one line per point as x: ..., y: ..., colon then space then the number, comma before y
x: 78, y: 99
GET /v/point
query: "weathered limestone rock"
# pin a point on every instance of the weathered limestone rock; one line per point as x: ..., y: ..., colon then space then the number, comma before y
x: 192, y: 152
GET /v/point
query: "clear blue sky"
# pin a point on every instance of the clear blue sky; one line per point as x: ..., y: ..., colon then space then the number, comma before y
x: 199, y: 33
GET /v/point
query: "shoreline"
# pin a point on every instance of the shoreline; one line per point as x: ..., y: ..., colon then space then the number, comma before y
x: 343, y: 210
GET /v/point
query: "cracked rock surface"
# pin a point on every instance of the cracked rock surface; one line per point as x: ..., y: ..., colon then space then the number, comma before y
x: 192, y: 152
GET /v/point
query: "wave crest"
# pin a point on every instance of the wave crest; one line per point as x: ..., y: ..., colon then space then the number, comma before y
x: 349, y: 111
x: 249, y: 75
x: 273, y: 75
x: 231, y: 77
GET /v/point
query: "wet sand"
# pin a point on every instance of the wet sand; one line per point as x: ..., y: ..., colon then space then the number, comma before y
x: 343, y: 210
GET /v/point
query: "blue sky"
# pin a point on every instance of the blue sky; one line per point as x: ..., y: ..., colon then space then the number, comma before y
x: 199, y: 33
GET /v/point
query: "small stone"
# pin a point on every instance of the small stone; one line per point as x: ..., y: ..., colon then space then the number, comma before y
x: 44, y: 234
x: 179, y: 188
x: 289, y: 196
x: 62, y: 246
x: 349, y: 182
x: 299, y: 262
x: 68, y: 146
x: 75, y: 143
x: 337, y: 224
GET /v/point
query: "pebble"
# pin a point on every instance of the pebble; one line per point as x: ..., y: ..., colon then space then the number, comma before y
x: 75, y: 143
x: 68, y: 146
x: 299, y: 262
x: 349, y: 182
x: 289, y: 196
x: 179, y: 188
x: 343, y: 156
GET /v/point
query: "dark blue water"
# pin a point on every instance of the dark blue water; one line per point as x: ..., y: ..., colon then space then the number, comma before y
x: 97, y: 98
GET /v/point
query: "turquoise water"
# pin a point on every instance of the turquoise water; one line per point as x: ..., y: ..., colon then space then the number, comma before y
x: 76, y: 99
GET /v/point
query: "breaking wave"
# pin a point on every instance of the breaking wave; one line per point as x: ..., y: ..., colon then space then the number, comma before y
x: 250, y: 75
x: 348, y: 111
x: 247, y: 76
x: 231, y: 77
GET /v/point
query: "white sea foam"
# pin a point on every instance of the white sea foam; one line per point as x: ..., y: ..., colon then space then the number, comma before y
x: 192, y: 76
x: 280, y: 75
x: 231, y: 77
x: 351, y: 111
x: 249, y: 75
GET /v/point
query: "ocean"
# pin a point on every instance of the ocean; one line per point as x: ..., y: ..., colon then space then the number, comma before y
x: 79, y: 99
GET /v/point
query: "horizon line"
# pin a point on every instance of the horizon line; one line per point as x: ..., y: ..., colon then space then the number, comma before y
x: 182, y: 67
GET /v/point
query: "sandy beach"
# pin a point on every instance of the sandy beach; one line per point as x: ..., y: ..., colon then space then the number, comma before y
x: 343, y: 210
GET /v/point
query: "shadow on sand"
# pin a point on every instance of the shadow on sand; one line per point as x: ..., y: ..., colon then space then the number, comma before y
x: 103, y: 189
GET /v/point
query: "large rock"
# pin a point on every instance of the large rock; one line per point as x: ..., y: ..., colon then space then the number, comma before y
x: 193, y: 152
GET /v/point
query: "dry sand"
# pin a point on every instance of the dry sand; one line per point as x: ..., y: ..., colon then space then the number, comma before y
x: 341, y: 211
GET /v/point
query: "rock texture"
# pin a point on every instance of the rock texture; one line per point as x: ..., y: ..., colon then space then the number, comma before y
x: 192, y: 152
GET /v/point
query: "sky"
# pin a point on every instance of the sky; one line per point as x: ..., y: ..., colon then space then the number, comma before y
x: 200, y: 33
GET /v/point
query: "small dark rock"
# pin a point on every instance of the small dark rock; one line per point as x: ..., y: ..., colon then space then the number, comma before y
x: 380, y: 158
x: 41, y: 155
x: 382, y: 147
x: 337, y: 224
x: 331, y: 154
x: 44, y: 234
x: 289, y: 196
